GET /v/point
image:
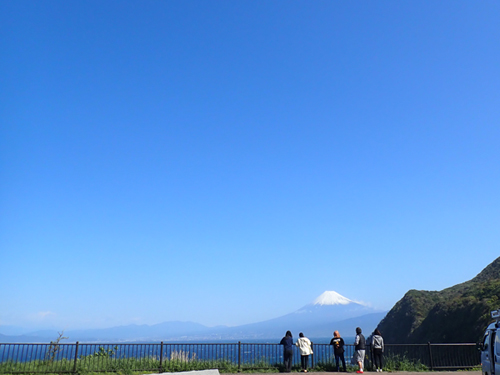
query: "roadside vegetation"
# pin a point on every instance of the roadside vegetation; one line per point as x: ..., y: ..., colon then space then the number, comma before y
x: 102, y: 363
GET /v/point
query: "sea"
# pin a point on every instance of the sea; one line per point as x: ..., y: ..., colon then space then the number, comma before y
x: 250, y: 350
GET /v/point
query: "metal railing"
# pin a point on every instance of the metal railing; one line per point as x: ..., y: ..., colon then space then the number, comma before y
x: 437, y: 356
x: 229, y: 357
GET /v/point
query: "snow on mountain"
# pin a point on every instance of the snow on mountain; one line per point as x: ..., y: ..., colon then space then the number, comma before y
x: 331, y: 298
x: 331, y: 306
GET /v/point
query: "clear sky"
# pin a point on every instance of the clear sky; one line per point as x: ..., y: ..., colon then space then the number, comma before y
x: 226, y: 162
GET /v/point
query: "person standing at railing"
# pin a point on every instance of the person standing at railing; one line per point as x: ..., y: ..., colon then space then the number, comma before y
x: 338, y: 350
x: 305, y: 347
x: 378, y: 349
x: 287, y: 343
x: 359, y: 350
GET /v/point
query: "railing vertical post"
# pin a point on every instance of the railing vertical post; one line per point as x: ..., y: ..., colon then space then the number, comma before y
x: 161, y: 357
x: 239, y: 356
x: 430, y: 356
x: 370, y: 356
x: 312, y: 355
x: 76, y: 357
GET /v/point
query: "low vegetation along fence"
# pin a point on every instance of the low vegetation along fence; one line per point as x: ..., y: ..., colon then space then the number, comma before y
x: 227, y: 357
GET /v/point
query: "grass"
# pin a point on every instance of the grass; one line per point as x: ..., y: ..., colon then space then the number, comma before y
x: 477, y: 368
x: 124, y: 366
x: 108, y: 364
x: 402, y: 363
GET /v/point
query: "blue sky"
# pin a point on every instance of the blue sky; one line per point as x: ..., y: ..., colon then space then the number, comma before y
x: 226, y: 162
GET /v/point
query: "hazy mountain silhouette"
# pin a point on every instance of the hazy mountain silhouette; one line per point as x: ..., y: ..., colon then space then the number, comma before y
x: 329, y: 312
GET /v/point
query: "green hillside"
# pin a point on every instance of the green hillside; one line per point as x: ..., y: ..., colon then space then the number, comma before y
x: 456, y: 314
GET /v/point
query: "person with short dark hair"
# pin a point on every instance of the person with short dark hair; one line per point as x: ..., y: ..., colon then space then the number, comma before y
x: 377, y: 349
x: 338, y: 350
x: 287, y: 343
x: 305, y: 347
x: 359, y: 347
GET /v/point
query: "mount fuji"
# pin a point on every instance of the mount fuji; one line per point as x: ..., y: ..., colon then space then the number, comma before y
x: 318, y: 319
x: 330, y: 311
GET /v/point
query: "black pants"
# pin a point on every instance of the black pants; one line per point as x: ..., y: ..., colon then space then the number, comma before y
x: 303, y: 361
x: 340, y: 357
x: 287, y: 359
x: 377, y: 358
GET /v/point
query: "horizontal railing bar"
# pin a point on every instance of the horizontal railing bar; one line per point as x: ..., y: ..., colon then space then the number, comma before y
x: 107, y: 357
x: 208, y: 343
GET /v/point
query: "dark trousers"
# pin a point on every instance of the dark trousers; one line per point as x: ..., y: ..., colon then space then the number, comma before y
x: 287, y: 359
x: 340, y: 357
x: 377, y: 358
x: 303, y: 361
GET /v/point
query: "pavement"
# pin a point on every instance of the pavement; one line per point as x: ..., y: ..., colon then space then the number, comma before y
x: 393, y: 373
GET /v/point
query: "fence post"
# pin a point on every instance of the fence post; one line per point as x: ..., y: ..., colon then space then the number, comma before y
x: 312, y: 356
x: 369, y: 355
x: 76, y: 357
x: 161, y: 357
x: 239, y: 356
x: 430, y: 356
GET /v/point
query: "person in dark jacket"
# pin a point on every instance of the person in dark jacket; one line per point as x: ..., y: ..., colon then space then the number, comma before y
x: 359, y: 350
x: 338, y: 350
x: 287, y: 343
x: 377, y: 349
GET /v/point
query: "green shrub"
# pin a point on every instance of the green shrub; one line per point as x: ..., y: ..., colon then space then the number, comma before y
x: 402, y: 363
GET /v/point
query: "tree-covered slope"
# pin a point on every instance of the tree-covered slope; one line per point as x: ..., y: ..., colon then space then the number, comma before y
x: 456, y: 314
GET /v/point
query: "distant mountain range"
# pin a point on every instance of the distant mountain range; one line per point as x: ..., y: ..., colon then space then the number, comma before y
x: 456, y: 314
x: 329, y: 312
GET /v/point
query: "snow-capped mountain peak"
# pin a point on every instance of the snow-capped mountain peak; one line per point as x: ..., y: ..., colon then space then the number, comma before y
x: 331, y: 298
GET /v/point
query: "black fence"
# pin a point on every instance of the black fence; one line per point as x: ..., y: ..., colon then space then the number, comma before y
x: 228, y: 357
x: 437, y: 356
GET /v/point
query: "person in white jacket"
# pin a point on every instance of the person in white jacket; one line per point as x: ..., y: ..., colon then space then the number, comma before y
x: 305, y: 347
